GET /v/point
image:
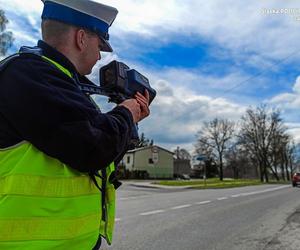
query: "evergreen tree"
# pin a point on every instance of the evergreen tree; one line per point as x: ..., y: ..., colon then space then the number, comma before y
x: 144, y: 141
x: 6, y: 37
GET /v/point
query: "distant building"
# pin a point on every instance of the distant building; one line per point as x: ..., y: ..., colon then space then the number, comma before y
x: 157, y: 161
x: 244, y: 171
x: 182, y: 166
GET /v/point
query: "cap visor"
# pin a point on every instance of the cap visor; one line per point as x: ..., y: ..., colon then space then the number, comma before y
x: 106, y: 46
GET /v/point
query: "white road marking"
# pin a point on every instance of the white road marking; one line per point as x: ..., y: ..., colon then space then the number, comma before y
x: 259, y: 192
x: 127, y: 198
x: 202, y: 202
x: 153, y: 212
x: 133, y: 197
x: 182, y: 206
x: 117, y: 219
x: 264, y: 191
x: 250, y: 193
x: 222, y: 198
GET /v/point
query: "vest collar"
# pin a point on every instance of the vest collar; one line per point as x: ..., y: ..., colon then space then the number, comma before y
x: 57, y: 56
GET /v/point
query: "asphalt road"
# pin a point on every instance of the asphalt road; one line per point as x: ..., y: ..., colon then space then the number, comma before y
x: 239, y: 218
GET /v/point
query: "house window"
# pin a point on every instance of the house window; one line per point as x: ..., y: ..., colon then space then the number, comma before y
x: 128, y: 159
x: 150, y: 161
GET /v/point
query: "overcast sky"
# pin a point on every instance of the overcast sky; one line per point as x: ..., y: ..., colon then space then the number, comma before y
x: 206, y: 59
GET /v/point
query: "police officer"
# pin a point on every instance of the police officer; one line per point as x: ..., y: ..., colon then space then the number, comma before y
x: 57, y: 150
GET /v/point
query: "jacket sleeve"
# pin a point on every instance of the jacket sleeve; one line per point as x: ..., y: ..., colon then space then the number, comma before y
x: 47, y: 109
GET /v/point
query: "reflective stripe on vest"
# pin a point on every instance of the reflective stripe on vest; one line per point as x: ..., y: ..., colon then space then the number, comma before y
x: 36, y: 228
x: 44, y: 203
x: 61, y: 68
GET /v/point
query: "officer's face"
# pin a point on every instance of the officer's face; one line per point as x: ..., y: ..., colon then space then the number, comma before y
x: 91, y: 53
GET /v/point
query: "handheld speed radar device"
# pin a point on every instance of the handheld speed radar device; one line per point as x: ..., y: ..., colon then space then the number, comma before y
x: 121, y: 83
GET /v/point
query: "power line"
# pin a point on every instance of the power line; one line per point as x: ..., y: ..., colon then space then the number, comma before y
x: 258, y: 74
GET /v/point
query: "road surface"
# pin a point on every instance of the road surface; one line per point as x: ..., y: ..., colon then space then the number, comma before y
x: 239, y: 218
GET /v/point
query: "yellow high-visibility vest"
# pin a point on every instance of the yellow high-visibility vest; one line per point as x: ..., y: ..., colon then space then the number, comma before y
x: 45, y: 204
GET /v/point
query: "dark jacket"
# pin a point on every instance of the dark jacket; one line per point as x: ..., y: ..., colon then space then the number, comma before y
x: 42, y: 105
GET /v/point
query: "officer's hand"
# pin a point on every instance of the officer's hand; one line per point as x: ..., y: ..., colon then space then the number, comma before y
x: 134, y: 107
x: 143, y: 100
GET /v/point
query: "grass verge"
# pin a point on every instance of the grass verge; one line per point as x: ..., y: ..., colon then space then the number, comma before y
x: 213, y: 183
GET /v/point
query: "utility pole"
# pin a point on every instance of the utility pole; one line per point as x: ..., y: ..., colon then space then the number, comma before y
x: 204, y: 159
x: 204, y: 175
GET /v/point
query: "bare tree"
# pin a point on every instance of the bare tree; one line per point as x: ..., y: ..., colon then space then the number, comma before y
x: 296, y: 158
x: 6, y: 37
x: 182, y: 154
x: 263, y: 134
x: 213, y: 140
x: 292, y: 158
x: 284, y: 155
x: 239, y: 160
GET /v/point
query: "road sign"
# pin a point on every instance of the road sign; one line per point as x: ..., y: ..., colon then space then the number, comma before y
x: 201, y: 158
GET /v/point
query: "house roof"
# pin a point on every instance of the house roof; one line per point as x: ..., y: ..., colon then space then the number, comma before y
x: 149, y: 147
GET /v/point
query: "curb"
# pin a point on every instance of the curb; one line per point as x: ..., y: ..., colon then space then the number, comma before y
x: 145, y: 186
x: 158, y: 186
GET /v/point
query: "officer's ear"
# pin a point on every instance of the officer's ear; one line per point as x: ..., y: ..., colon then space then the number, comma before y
x: 81, y: 39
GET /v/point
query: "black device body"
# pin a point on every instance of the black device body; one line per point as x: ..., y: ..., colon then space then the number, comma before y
x: 119, y: 83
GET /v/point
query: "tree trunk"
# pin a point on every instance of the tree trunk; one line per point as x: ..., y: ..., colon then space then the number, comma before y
x: 287, y: 172
x: 266, y: 173
x: 282, y: 172
x: 289, y: 161
x: 261, y: 172
x: 274, y: 174
x: 221, y: 172
x: 291, y: 169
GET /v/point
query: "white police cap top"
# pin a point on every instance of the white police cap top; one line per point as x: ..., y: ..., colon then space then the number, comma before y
x: 88, y: 14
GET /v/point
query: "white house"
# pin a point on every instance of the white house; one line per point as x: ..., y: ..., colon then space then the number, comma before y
x: 157, y: 161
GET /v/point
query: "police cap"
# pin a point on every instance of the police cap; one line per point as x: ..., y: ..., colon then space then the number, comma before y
x: 91, y: 15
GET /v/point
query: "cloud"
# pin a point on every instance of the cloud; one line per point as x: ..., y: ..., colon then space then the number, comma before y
x: 32, y: 7
x: 296, y: 87
x: 288, y: 101
x: 24, y: 21
x: 178, y: 112
x: 289, y: 104
x: 294, y: 131
x: 231, y: 24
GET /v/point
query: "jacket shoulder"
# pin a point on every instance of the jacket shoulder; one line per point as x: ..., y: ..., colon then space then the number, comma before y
x: 33, y: 66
